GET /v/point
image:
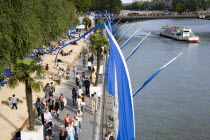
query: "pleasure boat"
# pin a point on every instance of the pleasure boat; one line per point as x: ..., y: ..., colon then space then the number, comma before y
x: 179, y: 33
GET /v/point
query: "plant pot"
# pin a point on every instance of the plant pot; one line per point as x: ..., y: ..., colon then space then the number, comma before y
x: 37, y: 134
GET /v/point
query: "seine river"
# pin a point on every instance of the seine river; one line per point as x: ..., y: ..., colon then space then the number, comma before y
x: 176, y: 104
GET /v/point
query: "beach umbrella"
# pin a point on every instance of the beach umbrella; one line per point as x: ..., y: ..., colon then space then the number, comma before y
x: 7, y: 72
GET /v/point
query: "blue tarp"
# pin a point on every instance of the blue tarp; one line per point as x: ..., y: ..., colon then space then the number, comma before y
x: 30, y: 56
x: 7, y: 72
x: 39, y: 48
x: 73, y: 33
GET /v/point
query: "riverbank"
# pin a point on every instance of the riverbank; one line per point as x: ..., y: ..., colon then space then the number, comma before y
x: 11, y: 120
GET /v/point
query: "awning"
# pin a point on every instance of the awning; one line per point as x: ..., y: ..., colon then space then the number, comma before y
x: 81, y: 26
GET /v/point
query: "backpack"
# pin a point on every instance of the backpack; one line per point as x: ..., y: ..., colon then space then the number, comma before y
x: 77, y: 80
x: 74, y: 93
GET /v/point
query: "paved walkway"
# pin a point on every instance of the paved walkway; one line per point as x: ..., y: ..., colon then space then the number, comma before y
x: 91, y: 123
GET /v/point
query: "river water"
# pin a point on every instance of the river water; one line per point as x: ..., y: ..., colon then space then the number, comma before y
x: 176, y: 104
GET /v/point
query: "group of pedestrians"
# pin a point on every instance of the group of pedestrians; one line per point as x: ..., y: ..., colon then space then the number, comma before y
x: 72, y: 125
x: 51, y: 105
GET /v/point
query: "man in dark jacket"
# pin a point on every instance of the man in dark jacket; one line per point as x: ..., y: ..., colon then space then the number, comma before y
x: 87, y: 86
x: 50, y: 103
x: 42, y: 111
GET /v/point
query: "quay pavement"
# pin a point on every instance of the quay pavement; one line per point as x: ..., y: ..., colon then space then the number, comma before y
x: 91, y: 125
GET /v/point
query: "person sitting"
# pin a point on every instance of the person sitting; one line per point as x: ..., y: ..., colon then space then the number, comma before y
x: 75, y: 43
x: 62, y: 52
x: 59, y: 68
x: 70, y: 52
x: 47, y: 67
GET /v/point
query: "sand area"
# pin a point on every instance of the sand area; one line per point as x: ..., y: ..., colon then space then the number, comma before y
x: 11, y: 120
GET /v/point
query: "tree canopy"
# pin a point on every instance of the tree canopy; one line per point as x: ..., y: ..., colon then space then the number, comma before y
x: 181, y: 7
x: 192, y: 5
x: 26, y: 24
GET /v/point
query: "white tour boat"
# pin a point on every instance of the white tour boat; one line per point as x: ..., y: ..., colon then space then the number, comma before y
x: 179, y: 33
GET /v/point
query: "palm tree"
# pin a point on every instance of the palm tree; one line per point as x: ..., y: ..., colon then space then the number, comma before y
x: 22, y: 73
x: 100, y: 21
x: 99, y: 41
x: 86, y: 21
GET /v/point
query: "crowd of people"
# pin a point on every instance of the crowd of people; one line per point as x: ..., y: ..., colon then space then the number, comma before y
x: 50, y: 107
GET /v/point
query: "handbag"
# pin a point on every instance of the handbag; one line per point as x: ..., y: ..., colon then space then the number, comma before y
x: 83, y: 103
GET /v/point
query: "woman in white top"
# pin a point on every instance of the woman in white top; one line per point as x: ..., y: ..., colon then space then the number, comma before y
x: 76, y: 126
x: 79, y: 103
x: 89, y: 65
x: 70, y: 131
x: 47, y: 116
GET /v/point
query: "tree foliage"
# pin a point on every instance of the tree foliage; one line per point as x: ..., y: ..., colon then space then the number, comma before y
x: 83, y: 5
x: 87, y: 22
x: 158, y: 5
x: 113, y: 6
x: 180, y: 8
x: 192, y: 5
x: 98, y: 43
x: 26, y: 24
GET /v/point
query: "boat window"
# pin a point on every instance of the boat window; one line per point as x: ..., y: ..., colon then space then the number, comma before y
x: 178, y: 34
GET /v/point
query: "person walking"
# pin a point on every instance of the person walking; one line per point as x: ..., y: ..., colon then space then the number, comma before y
x: 38, y: 106
x: 57, y: 106
x: 62, y: 132
x: 74, y: 96
x: 80, y: 56
x: 79, y: 103
x: 93, y: 75
x: 61, y: 99
x: 89, y: 64
x: 84, y: 61
x: 83, y: 78
x: 70, y: 131
x: 43, y: 109
x: 79, y: 115
x: 87, y: 86
x: 77, y: 79
x: 80, y: 91
x: 74, y: 71
x: 83, y: 102
x: 67, y: 120
x: 96, y: 99
x: 76, y: 127
x: 14, y: 101
x: 47, y: 116
x: 93, y: 104
x: 50, y: 103
x: 46, y: 89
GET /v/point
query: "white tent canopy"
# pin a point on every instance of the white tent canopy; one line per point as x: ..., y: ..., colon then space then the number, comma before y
x: 80, y: 26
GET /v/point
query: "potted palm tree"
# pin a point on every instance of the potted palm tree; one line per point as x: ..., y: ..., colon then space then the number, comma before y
x: 100, y: 21
x: 22, y: 73
x: 99, y: 42
x: 86, y: 21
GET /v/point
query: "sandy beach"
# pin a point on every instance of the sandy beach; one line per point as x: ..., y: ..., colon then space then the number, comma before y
x: 11, y: 120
